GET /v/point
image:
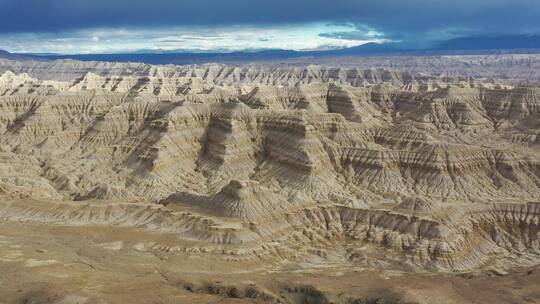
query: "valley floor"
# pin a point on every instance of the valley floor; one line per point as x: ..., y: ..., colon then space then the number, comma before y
x: 62, y: 264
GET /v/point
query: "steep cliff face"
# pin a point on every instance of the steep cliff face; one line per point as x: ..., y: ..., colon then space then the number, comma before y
x: 438, y: 170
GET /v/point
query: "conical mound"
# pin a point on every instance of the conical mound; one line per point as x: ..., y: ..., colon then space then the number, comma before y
x: 239, y: 199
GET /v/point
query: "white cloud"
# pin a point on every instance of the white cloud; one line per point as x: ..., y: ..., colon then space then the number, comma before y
x: 229, y: 38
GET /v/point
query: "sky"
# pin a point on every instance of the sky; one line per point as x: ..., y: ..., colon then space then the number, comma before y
x: 113, y: 26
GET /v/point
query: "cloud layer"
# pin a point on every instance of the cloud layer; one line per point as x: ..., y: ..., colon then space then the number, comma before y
x: 412, y: 20
x: 310, y: 36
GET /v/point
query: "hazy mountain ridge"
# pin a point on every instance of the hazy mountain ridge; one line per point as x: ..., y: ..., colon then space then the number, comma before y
x: 457, y: 46
x: 513, y: 68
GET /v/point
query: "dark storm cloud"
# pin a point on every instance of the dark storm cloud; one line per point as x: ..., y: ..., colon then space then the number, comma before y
x: 395, y: 18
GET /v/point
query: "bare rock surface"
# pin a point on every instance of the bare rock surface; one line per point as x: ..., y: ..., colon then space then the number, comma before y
x: 313, y: 166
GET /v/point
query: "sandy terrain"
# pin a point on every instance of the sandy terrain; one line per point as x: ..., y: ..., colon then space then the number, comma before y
x: 55, y: 264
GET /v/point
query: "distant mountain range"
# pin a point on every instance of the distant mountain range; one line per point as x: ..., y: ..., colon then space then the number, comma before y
x: 12, y: 56
x: 491, y: 43
x: 464, y: 45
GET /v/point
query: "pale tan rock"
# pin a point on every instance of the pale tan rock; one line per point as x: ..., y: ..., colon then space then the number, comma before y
x: 443, y: 172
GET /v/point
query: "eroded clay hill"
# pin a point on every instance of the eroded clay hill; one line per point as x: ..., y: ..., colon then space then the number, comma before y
x: 437, y: 172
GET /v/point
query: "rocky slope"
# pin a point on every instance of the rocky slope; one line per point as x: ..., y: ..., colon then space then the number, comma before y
x: 440, y: 173
x: 513, y: 68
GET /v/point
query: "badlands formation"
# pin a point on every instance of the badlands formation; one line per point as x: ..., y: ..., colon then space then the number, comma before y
x: 270, y: 184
